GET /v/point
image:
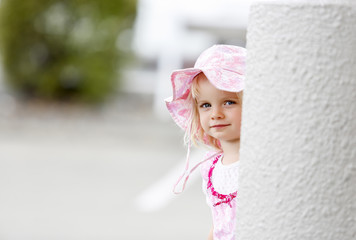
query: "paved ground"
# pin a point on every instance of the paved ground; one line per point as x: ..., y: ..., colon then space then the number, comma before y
x: 73, y: 173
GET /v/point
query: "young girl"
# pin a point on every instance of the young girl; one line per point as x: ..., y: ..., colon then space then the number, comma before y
x: 206, y: 103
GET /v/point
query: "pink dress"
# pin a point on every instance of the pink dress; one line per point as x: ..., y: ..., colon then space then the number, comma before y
x: 223, y: 204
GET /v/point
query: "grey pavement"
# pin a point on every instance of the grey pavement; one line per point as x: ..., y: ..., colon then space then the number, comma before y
x: 70, y: 172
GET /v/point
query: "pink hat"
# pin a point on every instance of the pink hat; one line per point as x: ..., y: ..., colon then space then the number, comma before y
x: 223, y: 65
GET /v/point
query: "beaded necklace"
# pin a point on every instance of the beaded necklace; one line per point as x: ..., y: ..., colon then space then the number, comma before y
x: 224, y: 198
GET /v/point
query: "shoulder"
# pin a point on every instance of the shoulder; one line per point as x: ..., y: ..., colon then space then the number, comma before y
x: 207, y: 162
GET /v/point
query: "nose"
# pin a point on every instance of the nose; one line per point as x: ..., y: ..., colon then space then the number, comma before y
x: 217, y: 113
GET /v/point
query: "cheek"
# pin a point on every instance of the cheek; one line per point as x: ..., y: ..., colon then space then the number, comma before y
x: 236, y: 116
x: 203, y: 121
x: 238, y: 120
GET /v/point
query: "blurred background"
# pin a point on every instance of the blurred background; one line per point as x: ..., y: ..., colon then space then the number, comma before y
x: 87, y: 148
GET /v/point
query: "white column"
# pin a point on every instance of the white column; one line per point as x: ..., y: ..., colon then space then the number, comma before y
x: 298, y: 137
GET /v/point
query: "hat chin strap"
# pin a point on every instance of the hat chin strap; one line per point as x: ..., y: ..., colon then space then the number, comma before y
x: 186, y: 172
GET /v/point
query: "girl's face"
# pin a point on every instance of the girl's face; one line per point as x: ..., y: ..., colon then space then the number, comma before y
x: 219, y: 112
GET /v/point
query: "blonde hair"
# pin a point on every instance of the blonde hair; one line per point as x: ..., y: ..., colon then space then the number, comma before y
x: 196, y: 133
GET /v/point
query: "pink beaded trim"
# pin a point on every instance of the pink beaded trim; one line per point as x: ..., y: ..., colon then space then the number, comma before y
x: 224, y: 198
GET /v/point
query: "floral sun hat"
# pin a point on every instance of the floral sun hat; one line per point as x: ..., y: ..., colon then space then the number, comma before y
x: 224, y: 67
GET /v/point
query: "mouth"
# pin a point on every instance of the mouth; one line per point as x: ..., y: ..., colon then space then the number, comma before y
x: 219, y: 125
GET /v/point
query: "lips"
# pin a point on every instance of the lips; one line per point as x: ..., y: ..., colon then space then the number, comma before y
x: 219, y: 125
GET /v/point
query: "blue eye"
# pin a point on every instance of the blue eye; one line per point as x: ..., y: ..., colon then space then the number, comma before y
x: 205, y: 105
x: 230, y: 102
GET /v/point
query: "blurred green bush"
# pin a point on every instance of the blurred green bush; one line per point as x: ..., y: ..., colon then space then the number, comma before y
x: 63, y: 49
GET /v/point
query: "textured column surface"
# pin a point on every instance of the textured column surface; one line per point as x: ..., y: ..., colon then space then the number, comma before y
x: 298, y: 136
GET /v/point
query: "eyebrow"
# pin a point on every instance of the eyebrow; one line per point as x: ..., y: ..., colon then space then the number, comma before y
x: 223, y: 97
x: 201, y: 100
